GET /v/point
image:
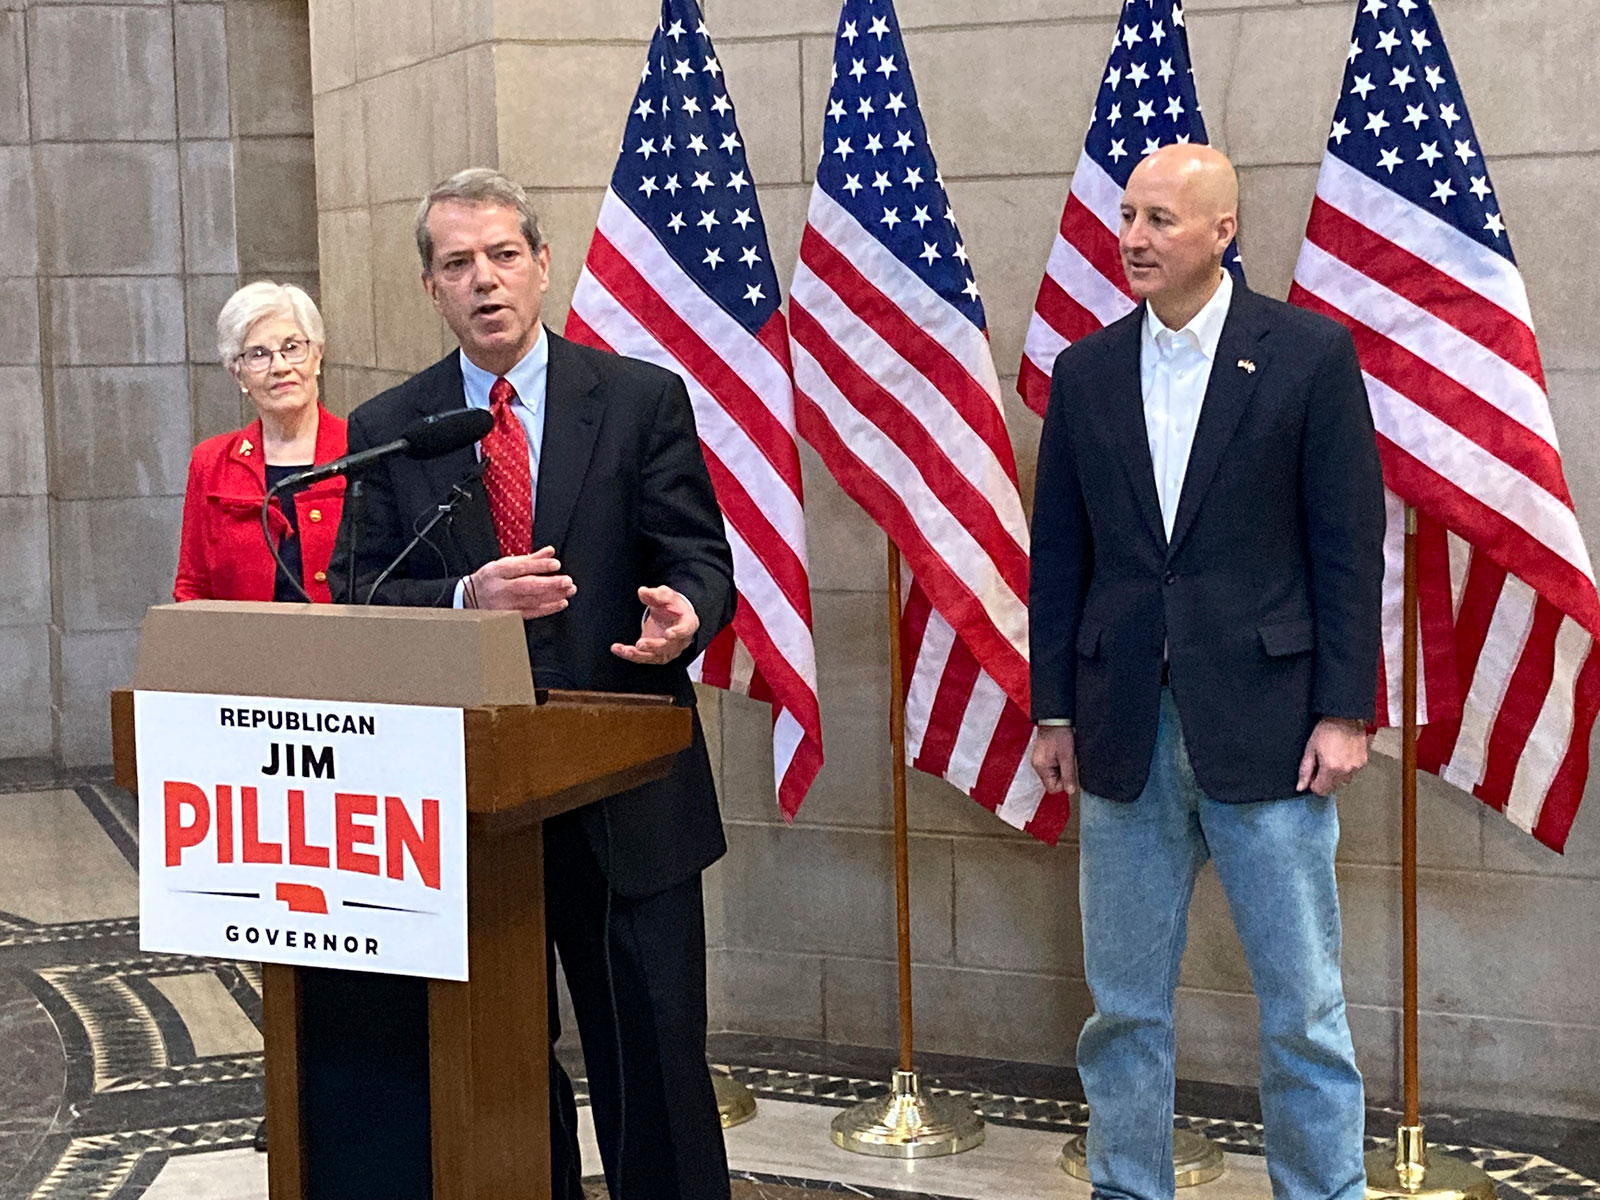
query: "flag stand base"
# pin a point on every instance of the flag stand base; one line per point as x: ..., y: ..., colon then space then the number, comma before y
x: 908, y: 1124
x: 1410, y: 1171
x: 1195, y: 1159
x: 736, y: 1103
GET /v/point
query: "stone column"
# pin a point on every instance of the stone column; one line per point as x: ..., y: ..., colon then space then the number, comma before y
x: 128, y: 145
x: 24, y: 516
x: 108, y: 167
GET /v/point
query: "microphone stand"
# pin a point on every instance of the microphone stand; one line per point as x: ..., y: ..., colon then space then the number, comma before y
x: 459, y: 491
x: 354, y: 489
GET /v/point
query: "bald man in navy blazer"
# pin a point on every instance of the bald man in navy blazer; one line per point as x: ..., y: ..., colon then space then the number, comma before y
x: 1204, y: 611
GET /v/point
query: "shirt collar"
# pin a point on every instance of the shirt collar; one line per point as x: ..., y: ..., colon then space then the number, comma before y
x: 1205, y: 325
x: 527, y: 377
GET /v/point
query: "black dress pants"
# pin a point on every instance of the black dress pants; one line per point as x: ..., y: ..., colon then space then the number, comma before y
x: 641, y: 1013
x: 641, y: 1018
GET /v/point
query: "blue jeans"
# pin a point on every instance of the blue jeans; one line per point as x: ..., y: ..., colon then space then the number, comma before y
x: 1138, y: 864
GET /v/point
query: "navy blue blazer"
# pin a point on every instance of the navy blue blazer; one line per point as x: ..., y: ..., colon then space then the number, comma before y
x: 624, y: 497
x: 1267, y: 596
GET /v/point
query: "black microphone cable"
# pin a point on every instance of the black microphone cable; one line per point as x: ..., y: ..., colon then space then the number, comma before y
x: 455, y: 542
x: 447, y: 585
x: 272, y: 546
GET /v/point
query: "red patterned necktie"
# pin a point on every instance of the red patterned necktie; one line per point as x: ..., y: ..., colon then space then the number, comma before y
x: 506, y: 475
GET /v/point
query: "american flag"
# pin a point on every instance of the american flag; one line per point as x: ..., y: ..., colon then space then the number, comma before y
x: 897, y: 391
x: 1146, y: 101
x: 679, y: 274
x: 1406, y: 247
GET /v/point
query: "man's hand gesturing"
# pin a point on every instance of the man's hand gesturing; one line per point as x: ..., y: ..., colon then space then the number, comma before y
x: 530, y: 584
x: 670, y: 624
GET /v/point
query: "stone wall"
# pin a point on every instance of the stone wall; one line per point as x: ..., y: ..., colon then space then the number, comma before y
x: 151, y: 155
x: 403, y: 96
x: 802, y: 915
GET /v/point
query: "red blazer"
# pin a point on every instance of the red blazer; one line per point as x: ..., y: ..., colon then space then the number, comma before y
x: 222, y: 555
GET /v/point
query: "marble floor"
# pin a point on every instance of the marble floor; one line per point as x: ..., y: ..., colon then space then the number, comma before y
x: 124, y: 1074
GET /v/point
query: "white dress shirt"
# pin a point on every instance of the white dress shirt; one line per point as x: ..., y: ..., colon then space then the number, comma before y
x: 1174, y: 370
x: 528, y: 379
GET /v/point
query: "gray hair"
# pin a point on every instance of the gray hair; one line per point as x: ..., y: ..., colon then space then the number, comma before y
x: 477, y: 185
x: 257, y: 301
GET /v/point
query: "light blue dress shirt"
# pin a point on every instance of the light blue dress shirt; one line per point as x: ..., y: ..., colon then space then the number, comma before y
x: 527, y: 378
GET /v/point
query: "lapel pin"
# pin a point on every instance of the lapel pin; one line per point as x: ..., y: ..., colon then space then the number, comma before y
x: 1246, y: 365
x: 244, y: 446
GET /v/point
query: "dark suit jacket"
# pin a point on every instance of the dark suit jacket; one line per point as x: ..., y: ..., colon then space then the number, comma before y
x: 1267, y: 597
x: 624, y: 497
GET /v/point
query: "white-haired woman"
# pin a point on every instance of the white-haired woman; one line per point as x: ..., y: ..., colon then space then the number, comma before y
x: 270, y: 337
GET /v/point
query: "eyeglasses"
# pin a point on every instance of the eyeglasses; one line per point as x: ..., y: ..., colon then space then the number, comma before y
x: 257, y: 360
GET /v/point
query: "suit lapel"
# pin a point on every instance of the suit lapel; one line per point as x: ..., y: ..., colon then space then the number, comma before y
x: 1241, y: 357
x: 1124, y: 401
x: 470, y: 528
x: 571, y: 424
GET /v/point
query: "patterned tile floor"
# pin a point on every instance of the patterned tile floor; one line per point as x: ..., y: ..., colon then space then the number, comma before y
x: 127, y: 1075
x: 1519, y: 1174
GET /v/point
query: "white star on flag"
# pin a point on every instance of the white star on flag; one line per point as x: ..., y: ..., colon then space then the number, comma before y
x: 869, y: 278
x: 1408, y: 250
x: 652, y: 287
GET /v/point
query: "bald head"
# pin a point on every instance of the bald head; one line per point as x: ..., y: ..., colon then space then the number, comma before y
x: 1202, y: 174
x: 1179, y: 213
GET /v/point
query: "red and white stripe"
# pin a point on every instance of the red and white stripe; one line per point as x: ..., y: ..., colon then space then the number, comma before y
x: 632, y: 298
x: 897, y: 392
x: 1083, y: 288
x: 1507, y: 599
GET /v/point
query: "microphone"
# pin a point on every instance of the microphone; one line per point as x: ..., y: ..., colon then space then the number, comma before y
x: 431, y: 437
x: 445, y: 433
x: 459, y: 491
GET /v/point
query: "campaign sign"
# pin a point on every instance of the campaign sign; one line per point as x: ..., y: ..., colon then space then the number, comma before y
x: 316, y: 833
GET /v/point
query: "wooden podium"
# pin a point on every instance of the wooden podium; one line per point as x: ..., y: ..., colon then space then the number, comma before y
x: 528, y: 757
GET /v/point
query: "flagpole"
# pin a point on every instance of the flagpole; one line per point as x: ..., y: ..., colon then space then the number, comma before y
x: 1409, y: 1170
x: 906, y: 1123
x: 902, y: 837
x: 1408, y: 822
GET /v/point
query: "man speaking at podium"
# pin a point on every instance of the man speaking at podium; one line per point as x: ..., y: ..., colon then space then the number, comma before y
x: 595, y: 519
